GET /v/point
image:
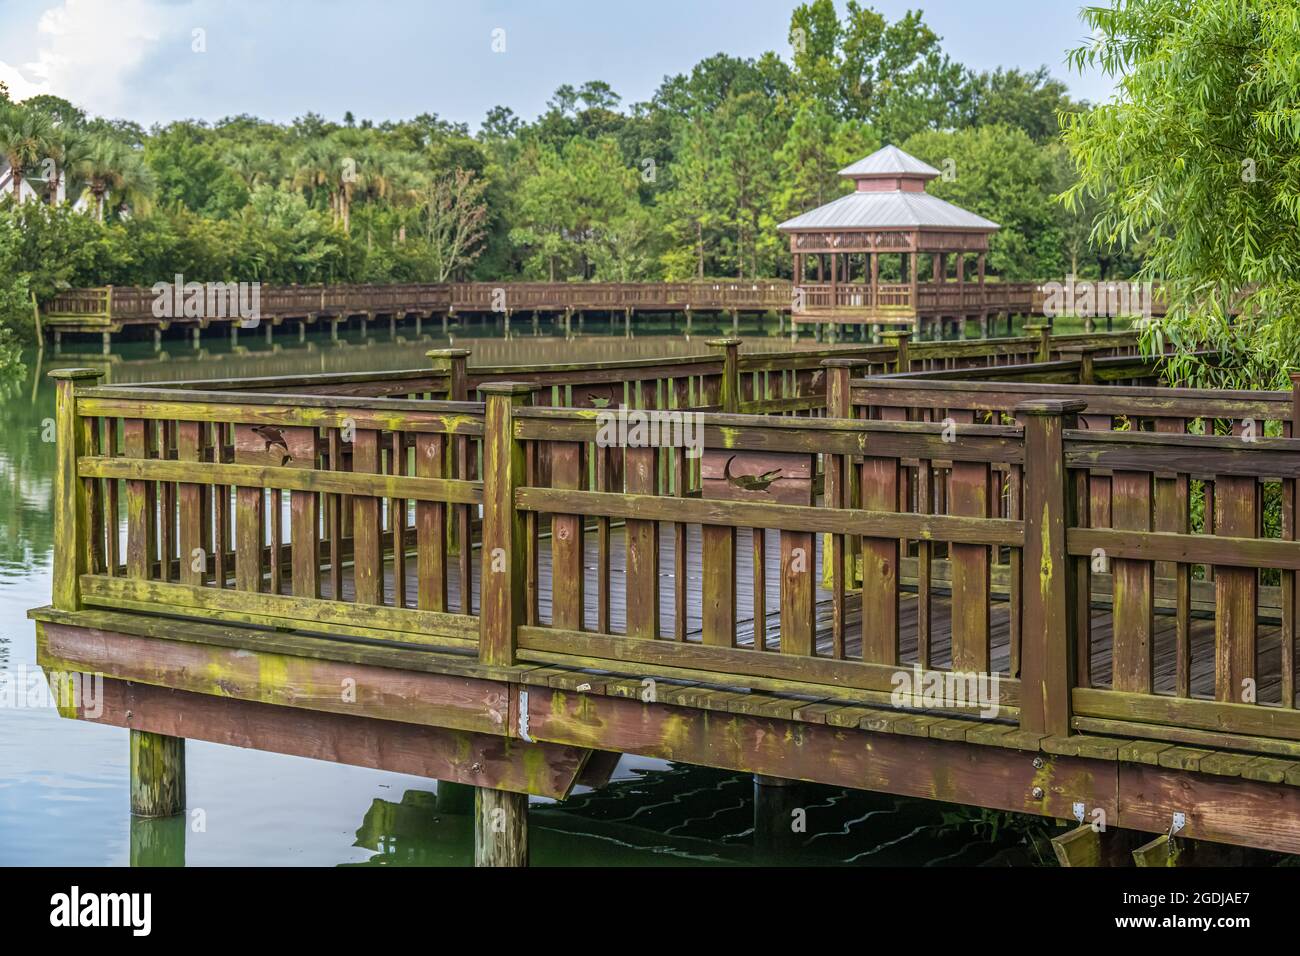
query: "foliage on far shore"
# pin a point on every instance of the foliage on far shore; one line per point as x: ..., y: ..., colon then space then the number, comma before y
x: 689, y: 184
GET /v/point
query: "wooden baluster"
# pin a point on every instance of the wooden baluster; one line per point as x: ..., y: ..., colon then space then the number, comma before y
x: 1133, y: 584
x: 969, y: 491
x: 334, y: 517
x: 141, y: 502
x: 397, y: 518
x: 431, y: 526
x: 1173, y: 514
x: 1236, y: 590
x: 304, y: 517
x: 878, y: 486
x: 367, y: 543
x: 567, y: 590
x: 167, y: 505
x: 642, y: 539
x: 113, y: 509
x: 192, y: 545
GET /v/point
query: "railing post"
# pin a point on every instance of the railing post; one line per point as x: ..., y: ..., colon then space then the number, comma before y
x: 502, y: 574
x: 1295, y: 404
x: 1048, y: 622
x: 72, y: 531
x: 453, y: 362
x: 1085, y: 354
x: 899, y: 339
x: 730, y: 349
x: 1044, y: 332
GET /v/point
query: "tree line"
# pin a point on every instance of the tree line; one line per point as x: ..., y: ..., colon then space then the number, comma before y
x: 689, y: 184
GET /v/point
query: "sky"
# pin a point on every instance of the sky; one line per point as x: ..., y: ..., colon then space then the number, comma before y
x: 154, y: 61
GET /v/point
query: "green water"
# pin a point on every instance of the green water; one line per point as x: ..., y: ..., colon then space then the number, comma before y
x: 63, y: 784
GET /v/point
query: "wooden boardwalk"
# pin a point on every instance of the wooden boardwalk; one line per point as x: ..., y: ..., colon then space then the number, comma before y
x: 508, y: 595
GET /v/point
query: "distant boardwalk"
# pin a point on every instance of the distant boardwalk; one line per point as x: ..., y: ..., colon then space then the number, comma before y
x: 110, y: 310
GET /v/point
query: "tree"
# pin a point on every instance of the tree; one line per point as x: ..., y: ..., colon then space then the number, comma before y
x: 998, y: 173
x: 452, y: 222
x: 1197, y: 154
x: 894, y: 76
x: 1030, y: 101
x: 26, y: 138
x: 109, y: 168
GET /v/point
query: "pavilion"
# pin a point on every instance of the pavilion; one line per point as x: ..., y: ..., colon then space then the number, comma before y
x: 858, y: 259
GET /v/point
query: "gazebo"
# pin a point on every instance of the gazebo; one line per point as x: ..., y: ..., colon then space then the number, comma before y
x: 857, y: 260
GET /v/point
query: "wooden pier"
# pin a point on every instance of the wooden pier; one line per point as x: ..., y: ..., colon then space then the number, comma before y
x: 453, y: 572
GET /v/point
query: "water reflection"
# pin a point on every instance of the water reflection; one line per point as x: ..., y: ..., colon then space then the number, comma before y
x: 677, y: 815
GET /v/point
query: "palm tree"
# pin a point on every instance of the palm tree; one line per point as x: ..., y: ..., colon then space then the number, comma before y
x: 252, y: 163
x: 25, y: 141
x: 109, y: 166
x: 68, y: 149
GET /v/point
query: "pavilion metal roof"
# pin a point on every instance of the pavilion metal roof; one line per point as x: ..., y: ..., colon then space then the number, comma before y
x: 890, y: 161
x: 888, y: 210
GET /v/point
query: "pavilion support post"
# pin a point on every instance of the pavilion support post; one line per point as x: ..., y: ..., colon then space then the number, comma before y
x: 627, y: 323
x: 107, y: 343
x: 194, y: 336
x: 445, y: 316
x: 234, y: 334
x: 1049, y: 616
x: 500, y: 827
x: 730, y: 349
x: 157, y: 774
x: 73, y: 436
x: 419, y: 324
x: 334, y: 330
x: 504, y: 553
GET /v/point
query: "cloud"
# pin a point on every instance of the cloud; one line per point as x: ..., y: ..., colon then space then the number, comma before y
x: 88, y: 49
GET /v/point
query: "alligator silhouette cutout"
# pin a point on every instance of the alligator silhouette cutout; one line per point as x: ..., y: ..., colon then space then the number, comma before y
x: 750, y: 482
x: 274, y: 438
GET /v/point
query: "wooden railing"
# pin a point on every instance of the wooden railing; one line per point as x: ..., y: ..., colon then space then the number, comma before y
x: 1116, y: 580
x: 136, y: 304
x: 1182, y: 535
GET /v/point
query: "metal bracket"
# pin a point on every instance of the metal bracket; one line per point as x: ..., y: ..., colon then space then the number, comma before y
x: 1079, y: 810
x: 1178, y: 823
x: 523, y: 716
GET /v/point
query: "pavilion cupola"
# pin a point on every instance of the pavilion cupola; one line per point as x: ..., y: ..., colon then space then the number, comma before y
x: 889, y: 169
